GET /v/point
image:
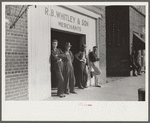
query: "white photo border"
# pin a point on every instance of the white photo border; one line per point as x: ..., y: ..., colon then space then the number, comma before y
x: 70, y: 110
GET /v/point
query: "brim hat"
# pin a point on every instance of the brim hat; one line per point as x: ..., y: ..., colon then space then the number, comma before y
x: 68, y: 44
x: 95, y: 47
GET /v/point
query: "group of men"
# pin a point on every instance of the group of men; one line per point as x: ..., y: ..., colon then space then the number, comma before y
x: 62, y: 66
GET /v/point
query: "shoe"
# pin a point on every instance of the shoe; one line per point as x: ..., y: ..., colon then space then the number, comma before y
x: 85, y: 87
x: 81, y: 87
x: 73, y: 92
x: 61, y: 95
x: 98, y: 86
x: 139, y: 74
x: 134, y: 75
x: 66, y: 93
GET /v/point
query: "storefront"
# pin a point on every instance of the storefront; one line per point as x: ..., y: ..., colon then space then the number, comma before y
x: 137, y: 32
x: 64, y: 23
x: 124, y: 32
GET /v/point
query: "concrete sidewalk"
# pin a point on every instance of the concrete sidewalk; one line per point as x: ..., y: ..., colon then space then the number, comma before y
x: 117, y: 89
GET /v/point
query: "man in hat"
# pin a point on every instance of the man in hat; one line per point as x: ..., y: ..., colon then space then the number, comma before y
x: 69, y: 78
x: 57, y: 66
x: 82, y: 62
x: 94, y: 64
x: 137, y: 61
x: 133, y: 62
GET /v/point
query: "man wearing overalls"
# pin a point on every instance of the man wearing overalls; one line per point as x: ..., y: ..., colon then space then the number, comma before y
x: 57, y: 66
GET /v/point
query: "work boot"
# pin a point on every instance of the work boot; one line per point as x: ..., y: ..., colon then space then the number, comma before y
x: 98, y: 85
x: 73, y: 92
x: 61, y: 95
x: 66, y: 93
x: 81, y: 87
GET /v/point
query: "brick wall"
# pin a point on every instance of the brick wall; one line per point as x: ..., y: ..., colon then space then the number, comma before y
x: 102, y: 37
x: 16, y: 55
x: 137, y: 21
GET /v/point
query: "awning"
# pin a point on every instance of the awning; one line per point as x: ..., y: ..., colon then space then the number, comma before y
x: 138, y: 42
x: 139, y: 37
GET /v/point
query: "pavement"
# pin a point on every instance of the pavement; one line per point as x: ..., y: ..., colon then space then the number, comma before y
x: 116, y: 89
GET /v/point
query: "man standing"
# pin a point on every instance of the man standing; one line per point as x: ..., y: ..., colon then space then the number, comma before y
x: 137, y: 61
x: 94, y: 64
x: 69, y: 78
x: 57, y: 66
x: 133, y: 62
x: 82, y: 76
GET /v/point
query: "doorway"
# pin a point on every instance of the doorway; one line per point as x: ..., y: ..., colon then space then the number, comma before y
x: 76, y: 41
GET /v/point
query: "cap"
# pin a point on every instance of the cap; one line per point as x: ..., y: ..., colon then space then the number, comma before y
x: 54, y: 40
x: 95, y: 47
x: 68, y: 44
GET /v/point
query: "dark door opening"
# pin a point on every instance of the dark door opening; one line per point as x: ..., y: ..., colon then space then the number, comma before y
x: 117, y: 41
x: 76, y: 41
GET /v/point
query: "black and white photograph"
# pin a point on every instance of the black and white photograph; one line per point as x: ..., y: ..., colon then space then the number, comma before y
x: 64, y: 60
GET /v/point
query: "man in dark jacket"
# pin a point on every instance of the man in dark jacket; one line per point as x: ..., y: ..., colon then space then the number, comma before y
x: 133, y: 62
x: 94, y: 64
x: 137, y: 61
x: 82, y: 75
x: 57, y: 66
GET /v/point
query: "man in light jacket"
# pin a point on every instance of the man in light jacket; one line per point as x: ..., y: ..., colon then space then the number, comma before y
x: 94, y: 64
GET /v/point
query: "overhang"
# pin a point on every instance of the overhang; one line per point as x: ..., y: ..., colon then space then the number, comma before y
x: 83, y: 11
x: 138, y: 42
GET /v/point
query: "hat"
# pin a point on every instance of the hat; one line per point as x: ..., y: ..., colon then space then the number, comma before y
x: 95, y: 47
x: 54, y: 40
x: 84, y: 46
x: 68, y: 44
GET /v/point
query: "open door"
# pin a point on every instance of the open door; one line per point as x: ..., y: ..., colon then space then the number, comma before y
x: 76, y: 41
x: 117, y: 41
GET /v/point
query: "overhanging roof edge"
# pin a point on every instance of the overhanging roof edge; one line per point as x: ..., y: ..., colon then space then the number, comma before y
x: 139, y: 37
x: 82, y: 11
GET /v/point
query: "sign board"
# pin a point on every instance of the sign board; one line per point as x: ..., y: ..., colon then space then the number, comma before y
x: 64, y: 19
x: 45, y: 18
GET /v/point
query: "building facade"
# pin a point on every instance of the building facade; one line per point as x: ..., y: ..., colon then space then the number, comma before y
x: 28, y: 45
x: 124, y: 32
x: 116, y: 30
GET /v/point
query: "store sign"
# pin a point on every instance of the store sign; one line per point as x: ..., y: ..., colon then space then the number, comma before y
x: 67, y: 20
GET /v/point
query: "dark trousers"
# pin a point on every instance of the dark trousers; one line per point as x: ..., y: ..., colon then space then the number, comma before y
x: 58, y: 69
x: 82, y: 75
x: 134, y: 69
x: 69, y: 77
x: 138, y: 68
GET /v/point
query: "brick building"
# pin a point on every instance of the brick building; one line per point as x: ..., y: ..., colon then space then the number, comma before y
x: 124, y: 31
x: 28, y: 44
x: 16, y: 55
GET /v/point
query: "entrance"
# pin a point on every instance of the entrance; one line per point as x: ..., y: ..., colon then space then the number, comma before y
x: 117, y: 41
x: 76, y: 41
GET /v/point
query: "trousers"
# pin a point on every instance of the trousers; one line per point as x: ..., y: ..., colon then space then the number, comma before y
x: 138, y: 68
x: 58, y: 70
x: 96, y: 72
x: 82, y: 75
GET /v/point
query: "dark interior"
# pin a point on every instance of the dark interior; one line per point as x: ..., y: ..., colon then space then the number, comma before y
x: 75, y: 39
